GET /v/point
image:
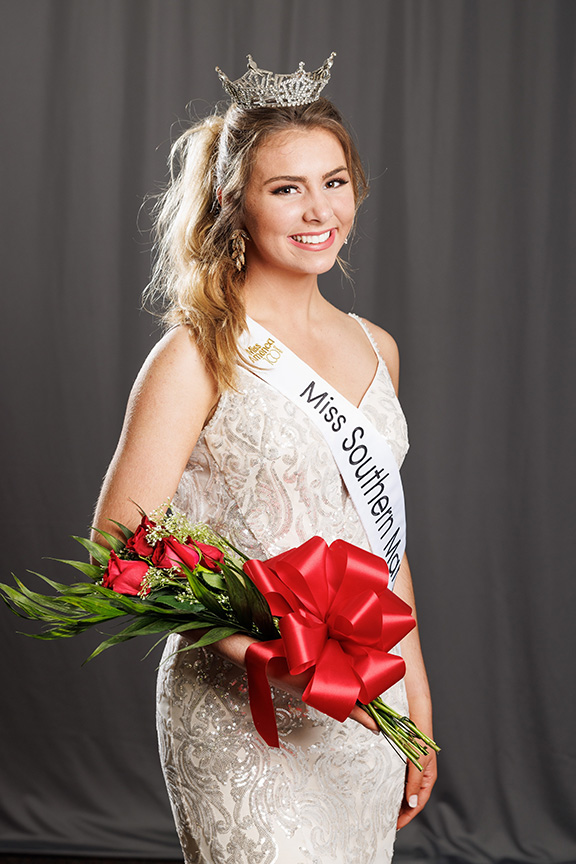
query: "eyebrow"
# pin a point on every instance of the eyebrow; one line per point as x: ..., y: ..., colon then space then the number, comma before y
x: 292, y: 179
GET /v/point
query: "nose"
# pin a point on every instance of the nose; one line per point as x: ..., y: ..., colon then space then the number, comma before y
x: 318, y: 207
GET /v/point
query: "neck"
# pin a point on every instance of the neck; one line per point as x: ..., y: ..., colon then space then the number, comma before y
x: 286, y: 299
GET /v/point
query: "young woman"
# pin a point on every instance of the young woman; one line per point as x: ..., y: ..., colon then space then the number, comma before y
x: 260, y: 204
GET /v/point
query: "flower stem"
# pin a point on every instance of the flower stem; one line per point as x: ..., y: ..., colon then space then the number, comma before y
x: 401, y: 732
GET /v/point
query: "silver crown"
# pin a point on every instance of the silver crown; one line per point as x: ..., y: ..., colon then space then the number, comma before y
x: 258, y: 88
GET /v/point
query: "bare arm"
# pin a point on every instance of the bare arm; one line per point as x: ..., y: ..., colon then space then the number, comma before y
x: 418, y: 785
x: 168, y: 406
x: 170, y: 400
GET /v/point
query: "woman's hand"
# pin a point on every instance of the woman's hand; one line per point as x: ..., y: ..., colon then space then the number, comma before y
x: 296, y: 684
x: 418, y: 788
x: 364, y: 719
x: 418, y: 783
x: 234, y: 648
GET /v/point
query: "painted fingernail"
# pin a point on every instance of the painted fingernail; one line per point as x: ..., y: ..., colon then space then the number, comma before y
x: 375, y: 731
x: 413, y: 801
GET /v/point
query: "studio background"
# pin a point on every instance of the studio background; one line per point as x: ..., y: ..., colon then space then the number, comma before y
x: 464, y: 114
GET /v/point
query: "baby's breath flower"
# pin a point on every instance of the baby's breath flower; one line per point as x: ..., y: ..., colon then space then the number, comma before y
x: 186, y: 595
x: 158, y: 577
x: 171, y: 522
x: 178, y: 525
x: 203, y: 534
x: 159, y: 514
x: 225, y: 604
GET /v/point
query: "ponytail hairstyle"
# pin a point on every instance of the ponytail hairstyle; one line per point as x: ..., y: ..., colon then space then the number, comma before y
x: 194, y: 274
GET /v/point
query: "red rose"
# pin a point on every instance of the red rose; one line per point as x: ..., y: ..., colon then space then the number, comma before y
x: 138, y: 542
x: 212, y: 557
x: 122, y: 576
x: 169, y: 552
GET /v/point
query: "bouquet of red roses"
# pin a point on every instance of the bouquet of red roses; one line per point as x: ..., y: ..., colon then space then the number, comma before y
x: 319, y: 609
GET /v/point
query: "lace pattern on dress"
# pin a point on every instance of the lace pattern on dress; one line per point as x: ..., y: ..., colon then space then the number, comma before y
x: 263, y: 476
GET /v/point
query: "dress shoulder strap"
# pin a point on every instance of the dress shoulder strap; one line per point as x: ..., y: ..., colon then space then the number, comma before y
x: 369, y: 335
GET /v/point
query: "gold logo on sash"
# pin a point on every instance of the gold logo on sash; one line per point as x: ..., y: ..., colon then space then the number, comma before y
x: 269, y: 352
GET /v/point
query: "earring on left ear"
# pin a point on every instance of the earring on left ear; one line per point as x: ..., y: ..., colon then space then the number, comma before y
x: 238, y: 240
x: 345, y: 241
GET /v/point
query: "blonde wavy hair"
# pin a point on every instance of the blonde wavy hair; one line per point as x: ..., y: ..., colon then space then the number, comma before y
x: 194, y: 275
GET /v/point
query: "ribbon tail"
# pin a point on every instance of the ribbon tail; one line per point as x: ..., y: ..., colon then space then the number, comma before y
x: 334, y: 687
x: 259, y: 656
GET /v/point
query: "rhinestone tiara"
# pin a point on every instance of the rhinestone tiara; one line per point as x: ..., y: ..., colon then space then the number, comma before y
x: 258, y: 88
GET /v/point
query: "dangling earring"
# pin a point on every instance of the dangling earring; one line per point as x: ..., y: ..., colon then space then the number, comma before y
x: 345, y: 241
x: 238, y: 240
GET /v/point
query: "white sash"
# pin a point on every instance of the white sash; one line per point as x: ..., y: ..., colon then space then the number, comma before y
x: 362, y: 454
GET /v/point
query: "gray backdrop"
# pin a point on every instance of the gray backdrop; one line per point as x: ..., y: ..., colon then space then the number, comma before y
x: 465, y: 113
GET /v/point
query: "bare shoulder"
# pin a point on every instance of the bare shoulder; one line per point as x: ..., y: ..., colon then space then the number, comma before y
x: 176, y: 354
x: 168, y: 406
x: 388, y: 350
x: 173, y: 393
x: 175, y: 369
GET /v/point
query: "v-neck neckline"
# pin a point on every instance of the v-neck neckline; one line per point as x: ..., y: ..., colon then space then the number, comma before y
x: 321, y: 378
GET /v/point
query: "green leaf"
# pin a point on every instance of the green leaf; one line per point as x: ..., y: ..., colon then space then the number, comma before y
x: 155, y: 645
x: 192, y: 625
x: 36, y: 606
x: 58, y: 586
x: 238, y: 598
x: 215, y: 580
x: 136, y: 628
x: 116, y: 544
x: 14, y: 600
x: 240, y: 554
x: 93, y: 571
x: 195, y: 625
x: 78, y: 589
x: 201, y: 592
x: 126, y: 531
x: 64, y: 615
x: 132, y: 604
x: 164, y: 598
x: 69, y: 628
x: 214, y: 635
x: 99, y: 552
x: 96, y: 608
x: 261, y: 615
x: 148, y: 625
x: 66, y: 590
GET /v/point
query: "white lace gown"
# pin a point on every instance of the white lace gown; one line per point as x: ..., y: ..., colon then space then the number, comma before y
x: 262, y: 475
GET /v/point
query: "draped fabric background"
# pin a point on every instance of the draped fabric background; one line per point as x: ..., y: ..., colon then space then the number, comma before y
x: 465, y: 114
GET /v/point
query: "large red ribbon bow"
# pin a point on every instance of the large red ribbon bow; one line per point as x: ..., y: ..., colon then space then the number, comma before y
x: 338, y: 621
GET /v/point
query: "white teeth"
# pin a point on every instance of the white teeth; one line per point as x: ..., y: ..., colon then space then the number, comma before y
x: 311, y: 238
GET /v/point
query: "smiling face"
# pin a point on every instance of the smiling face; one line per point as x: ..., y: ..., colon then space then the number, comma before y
x: 299, y: 204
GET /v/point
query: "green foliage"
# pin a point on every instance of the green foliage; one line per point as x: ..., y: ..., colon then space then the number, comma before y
x: 174, y: 599
x: 96, y: 550
x: 93, y: 571
x: 202, y: 592
x: 214, y: 635
x: 114, y: 542
x: 219, y: 602
x: 125, y: 531
x: 214, y: 580
x: 248, y: 604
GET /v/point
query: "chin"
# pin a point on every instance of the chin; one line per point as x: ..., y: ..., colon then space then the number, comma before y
x: 316, y: 268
